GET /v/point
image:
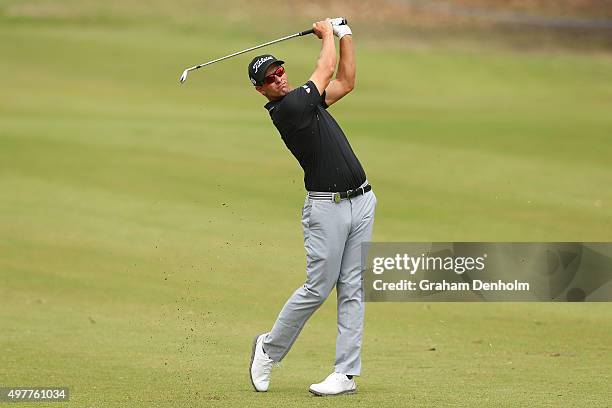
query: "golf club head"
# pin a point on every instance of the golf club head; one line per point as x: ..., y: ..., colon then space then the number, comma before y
x: 184, y: 76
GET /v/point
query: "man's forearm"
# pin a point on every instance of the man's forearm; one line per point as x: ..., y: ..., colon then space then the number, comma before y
x: 327, y: 57
x: 347, y: 67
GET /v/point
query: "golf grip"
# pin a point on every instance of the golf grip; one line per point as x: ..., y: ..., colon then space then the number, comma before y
x: 311, y: 31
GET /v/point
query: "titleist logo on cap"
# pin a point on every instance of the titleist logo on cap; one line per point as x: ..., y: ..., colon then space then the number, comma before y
x: 260, y: 61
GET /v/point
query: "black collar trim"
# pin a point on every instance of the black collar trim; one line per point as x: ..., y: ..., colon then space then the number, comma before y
x: 270, y: 106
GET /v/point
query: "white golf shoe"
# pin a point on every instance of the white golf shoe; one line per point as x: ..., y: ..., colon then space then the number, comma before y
x: 334, y: 384
x: 261, y: 365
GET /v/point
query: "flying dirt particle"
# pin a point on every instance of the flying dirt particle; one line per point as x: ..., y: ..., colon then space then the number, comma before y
x: 432, y: 348
x: 555, y: 354
x: 92, y: 321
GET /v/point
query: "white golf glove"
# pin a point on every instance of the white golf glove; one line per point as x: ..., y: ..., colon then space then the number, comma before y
x: 340, y: 30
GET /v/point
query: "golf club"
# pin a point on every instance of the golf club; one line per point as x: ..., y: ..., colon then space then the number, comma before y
x: 334, y: 21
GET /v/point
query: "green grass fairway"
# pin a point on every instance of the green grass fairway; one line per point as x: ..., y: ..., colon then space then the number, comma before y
x: 149, y: 230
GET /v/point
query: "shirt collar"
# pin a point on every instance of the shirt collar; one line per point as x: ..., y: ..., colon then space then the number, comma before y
x: 271, y: 105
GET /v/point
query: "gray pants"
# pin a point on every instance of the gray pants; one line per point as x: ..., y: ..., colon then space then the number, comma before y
x: 333, y: 233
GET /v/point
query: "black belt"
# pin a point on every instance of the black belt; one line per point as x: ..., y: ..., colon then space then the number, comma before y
x: 337, y: 197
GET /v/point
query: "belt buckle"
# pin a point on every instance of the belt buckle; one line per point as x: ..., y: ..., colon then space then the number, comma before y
x: 336, y: 198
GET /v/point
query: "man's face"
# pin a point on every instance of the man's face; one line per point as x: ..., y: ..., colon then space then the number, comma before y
x: 274, y: 87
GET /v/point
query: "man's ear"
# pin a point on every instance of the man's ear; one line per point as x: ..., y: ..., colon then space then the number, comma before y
x: 260, y: 90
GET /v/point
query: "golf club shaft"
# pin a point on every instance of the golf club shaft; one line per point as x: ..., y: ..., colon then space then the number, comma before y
x: 301, y: 33
x: 251, y: 49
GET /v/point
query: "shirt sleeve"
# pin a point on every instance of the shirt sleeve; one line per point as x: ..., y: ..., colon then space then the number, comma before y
x: 323, y: 103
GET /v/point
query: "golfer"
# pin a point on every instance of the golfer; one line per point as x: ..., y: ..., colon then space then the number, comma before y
x: 338, y: 212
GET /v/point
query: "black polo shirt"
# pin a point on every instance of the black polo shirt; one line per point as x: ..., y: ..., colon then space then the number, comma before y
x: 316, y: 140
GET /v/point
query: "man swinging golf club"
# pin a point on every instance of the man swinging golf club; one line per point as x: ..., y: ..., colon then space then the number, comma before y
x: 338, y: 212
